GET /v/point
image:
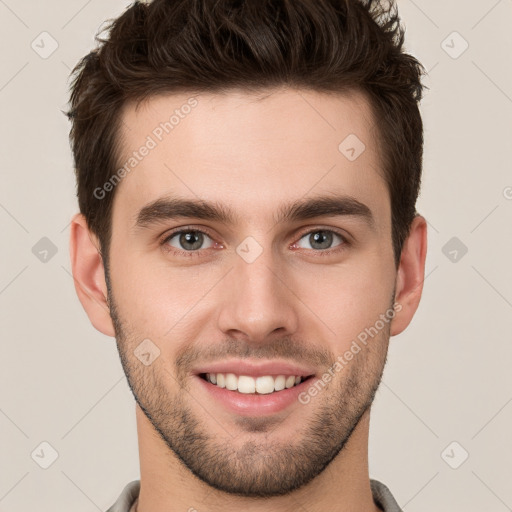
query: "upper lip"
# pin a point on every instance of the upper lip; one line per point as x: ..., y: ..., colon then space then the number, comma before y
x: 255, y: 368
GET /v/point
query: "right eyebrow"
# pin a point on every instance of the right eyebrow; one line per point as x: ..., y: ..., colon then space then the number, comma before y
x: 170, y: 208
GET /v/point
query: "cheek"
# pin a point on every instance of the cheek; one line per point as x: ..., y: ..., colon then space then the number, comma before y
x: 153, y: 296
x: 348, y: 300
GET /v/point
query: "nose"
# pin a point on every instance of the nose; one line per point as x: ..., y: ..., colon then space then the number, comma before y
x: 258, y: 300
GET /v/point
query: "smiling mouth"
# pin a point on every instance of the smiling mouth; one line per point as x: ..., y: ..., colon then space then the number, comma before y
x: 249, y: 385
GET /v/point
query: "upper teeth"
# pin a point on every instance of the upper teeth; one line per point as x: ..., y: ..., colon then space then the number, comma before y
x: 246, y: 384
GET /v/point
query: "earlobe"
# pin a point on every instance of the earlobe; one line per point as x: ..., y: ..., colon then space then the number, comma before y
x: 89, y: 275
x: 410, y: 276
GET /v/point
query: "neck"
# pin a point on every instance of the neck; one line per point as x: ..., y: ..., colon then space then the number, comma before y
x: 168, y: 486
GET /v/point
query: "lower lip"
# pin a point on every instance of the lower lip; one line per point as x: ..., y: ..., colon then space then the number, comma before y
x: 252, y: 404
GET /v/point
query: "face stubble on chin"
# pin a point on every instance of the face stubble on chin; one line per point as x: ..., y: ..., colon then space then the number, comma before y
x: 262, y: 466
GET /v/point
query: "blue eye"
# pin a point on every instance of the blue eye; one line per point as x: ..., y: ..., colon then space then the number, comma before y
x: 322, y: 239
x: 189, y: 240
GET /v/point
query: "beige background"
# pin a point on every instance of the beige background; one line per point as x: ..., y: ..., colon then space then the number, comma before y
x: 448, y: 376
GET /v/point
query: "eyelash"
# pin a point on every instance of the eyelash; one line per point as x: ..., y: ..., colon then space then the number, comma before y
x: 319, y: 253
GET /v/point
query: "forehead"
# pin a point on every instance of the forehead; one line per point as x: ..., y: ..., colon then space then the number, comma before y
x: 253, y: 151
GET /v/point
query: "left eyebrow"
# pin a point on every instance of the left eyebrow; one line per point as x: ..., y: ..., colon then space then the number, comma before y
x: 325, y: 206
x: 169, y: 208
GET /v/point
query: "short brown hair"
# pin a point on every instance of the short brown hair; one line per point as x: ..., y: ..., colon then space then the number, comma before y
x: 170, y: 46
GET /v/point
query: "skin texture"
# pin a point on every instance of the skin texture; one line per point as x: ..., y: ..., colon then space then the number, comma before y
x: 253, y: 153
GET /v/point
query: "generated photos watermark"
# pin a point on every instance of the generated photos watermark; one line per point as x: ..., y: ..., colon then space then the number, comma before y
x: 344, y: 359
x: 152, y: 141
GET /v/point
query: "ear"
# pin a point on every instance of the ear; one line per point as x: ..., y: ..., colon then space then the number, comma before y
x: 410, y: 276
x: 89, y: 275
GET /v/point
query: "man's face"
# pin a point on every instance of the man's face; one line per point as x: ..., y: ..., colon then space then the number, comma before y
x: 298, y: 290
